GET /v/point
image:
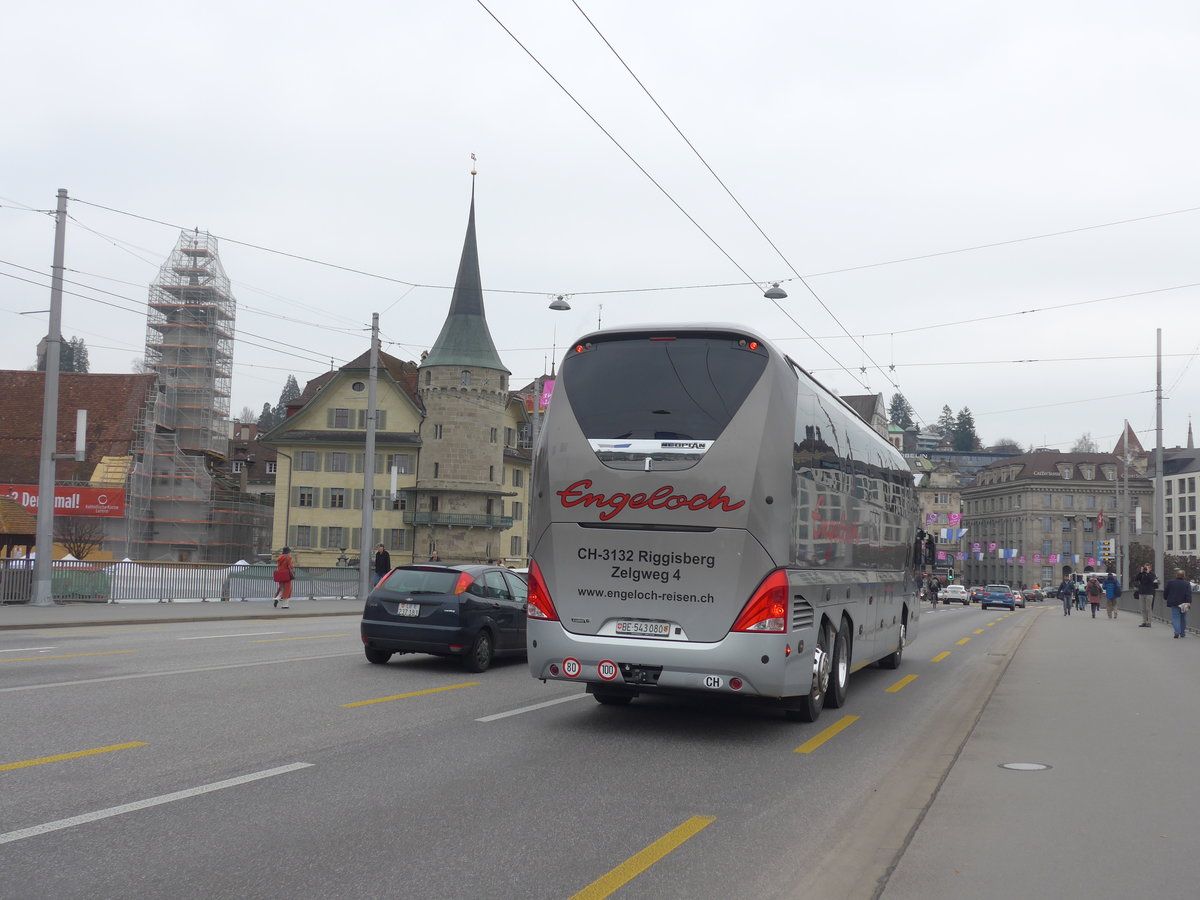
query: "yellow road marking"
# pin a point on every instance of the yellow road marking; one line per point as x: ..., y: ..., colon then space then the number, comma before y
x: 990, y: 624
x: 943, y: 655
x: 978, y: 631
x: 67, y: 655
x: 833, y: 730
x: 101, y: 629
x: 902, y: 684
x: 606, y: 885
x: 963, y: 641
x: 437, y: 690
x: 311, y: 637
x: 8, y: 767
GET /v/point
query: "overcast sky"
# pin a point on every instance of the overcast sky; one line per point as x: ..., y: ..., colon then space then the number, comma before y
x: 1001, y: 201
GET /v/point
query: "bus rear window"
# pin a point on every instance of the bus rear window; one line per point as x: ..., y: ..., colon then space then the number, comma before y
x: 646, y: 388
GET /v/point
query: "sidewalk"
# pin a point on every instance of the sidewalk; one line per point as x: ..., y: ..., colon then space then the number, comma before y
x: 1100, y: 719
x: 22, y: 615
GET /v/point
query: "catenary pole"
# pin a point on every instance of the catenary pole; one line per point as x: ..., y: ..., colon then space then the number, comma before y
x: 366, y: 559
x: 43, y: 593
x: 1160, y: 517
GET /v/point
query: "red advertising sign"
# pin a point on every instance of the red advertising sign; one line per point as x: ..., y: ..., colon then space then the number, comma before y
x: 70, y: 501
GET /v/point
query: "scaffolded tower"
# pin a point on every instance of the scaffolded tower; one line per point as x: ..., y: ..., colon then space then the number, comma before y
x: 189, y: 344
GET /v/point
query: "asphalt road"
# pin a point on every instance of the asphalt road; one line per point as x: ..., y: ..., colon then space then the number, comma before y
x: 266, y: 758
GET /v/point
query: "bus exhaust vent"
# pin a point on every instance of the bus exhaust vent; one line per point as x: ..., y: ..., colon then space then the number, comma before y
x: 802, y: 614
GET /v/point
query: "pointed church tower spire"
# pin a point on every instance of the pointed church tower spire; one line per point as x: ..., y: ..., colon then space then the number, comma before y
x: 465, y: 339
x: 1191, y: 445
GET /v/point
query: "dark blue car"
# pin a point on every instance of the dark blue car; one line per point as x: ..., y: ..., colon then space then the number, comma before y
x: 1001, y: 595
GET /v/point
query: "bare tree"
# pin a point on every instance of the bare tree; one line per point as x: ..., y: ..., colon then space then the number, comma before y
x: 1085, y: 444
x: 79, y: 534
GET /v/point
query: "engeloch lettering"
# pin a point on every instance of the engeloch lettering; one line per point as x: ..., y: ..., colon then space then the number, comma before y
x: 661, y: 498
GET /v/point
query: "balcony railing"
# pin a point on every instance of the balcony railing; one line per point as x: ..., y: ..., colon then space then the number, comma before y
x: 415, y: 517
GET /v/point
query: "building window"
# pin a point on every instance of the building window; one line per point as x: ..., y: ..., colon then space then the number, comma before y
x: 464, y: 378
x: 1068, y: 501
x: 401, y: 462
x: 1067, y: 548
x: 509, y: 437
x: 1091, y: 501
x: 237, y: 465
x: 437, y: 432
x: 335, y: 498
x: 380, y: 419
x: 1047, y: 501
x: 399, y: 538
x: 514, y: 547
x: 306, y: 461
x: 337, y: 461
x: 494, y: 435
x: 400, y: 501
x: 1046, y: 524
x: 306, y: 496
x: 518, y: 478
x: 437, y: 469
x: 337, y: 417
x: 491, y: 473
x: 272, y: 467
x: 427, y: 375
x: 1170, y: 542
x: 1168, y: 507
x: 302, y: 535
x: 335, y: 538
x: 941, y: 499
x: 489, y: 506
x: 1167, y: 486
x: 516, y: 510
x: 1067, y: 523
x: 434, y: 503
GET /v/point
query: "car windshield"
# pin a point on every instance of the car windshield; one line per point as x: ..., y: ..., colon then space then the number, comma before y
x: 420, y: 581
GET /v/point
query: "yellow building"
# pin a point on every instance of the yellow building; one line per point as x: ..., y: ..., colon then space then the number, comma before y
x: 452, y: 452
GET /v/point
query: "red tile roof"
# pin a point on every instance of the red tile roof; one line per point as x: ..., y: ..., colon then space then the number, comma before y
x: 113, y: 402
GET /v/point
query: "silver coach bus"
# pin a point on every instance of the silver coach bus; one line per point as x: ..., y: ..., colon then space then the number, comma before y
x: 707, y: 518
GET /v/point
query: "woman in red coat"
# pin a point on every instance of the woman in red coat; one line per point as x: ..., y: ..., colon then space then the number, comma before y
x: 285, y: 571
x: 1095, y: 593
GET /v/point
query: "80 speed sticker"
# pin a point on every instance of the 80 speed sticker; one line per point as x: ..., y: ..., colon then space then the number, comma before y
x: 571, y: 667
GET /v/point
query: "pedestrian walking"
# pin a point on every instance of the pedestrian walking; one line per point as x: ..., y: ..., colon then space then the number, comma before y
x: 1112, y: 592
x: 383, y: 562
x: 1094, y: 594
x: 1178, y: 594
x: 1066, y: 593
x: 1145, y: 583
x: 1081, y: 594
x: 285, y: 572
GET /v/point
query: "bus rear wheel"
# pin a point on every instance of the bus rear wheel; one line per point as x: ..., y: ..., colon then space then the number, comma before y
x: 808, y: 708
x: 839, y: 670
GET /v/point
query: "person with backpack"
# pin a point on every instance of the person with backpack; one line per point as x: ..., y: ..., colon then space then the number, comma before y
x: 1094, y: 592
x: 1066, y: 593
x: 1112, y: 591
x: 934, y: 587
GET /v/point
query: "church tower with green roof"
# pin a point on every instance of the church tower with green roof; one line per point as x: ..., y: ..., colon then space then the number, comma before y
x: 463, y: 386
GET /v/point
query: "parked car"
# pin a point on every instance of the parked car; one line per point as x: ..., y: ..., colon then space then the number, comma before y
x: 954, y: 593
x: 474, y: 612
x: 1001, y: 595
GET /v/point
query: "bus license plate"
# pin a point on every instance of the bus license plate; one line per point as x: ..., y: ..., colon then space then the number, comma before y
x: 411, y: 610
x: 644, y: 629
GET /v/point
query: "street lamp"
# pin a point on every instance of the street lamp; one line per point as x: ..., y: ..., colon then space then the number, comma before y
x: 775, y: 292
x: 560, y: 303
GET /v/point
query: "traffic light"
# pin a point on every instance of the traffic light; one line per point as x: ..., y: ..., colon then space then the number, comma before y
x: 951, y: 576
x: 1108, y: 550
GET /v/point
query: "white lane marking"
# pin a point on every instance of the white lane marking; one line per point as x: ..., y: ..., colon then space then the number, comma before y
x: 248, y: 665
x: 27, y: 649
x: 525, y: 709
x: 146, y: 804
x: 209, y: 637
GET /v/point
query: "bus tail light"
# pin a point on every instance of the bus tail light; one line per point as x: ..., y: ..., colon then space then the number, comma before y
x: 766, y: 610
x: 540, y: 604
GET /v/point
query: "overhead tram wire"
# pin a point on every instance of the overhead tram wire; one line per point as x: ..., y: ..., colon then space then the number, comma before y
x: 740, y: 206
x: 650, y: 177
x: 243, y: 335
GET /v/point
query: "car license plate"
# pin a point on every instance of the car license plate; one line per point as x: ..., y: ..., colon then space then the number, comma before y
x: 408, y: 609
x: 644, y: 629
